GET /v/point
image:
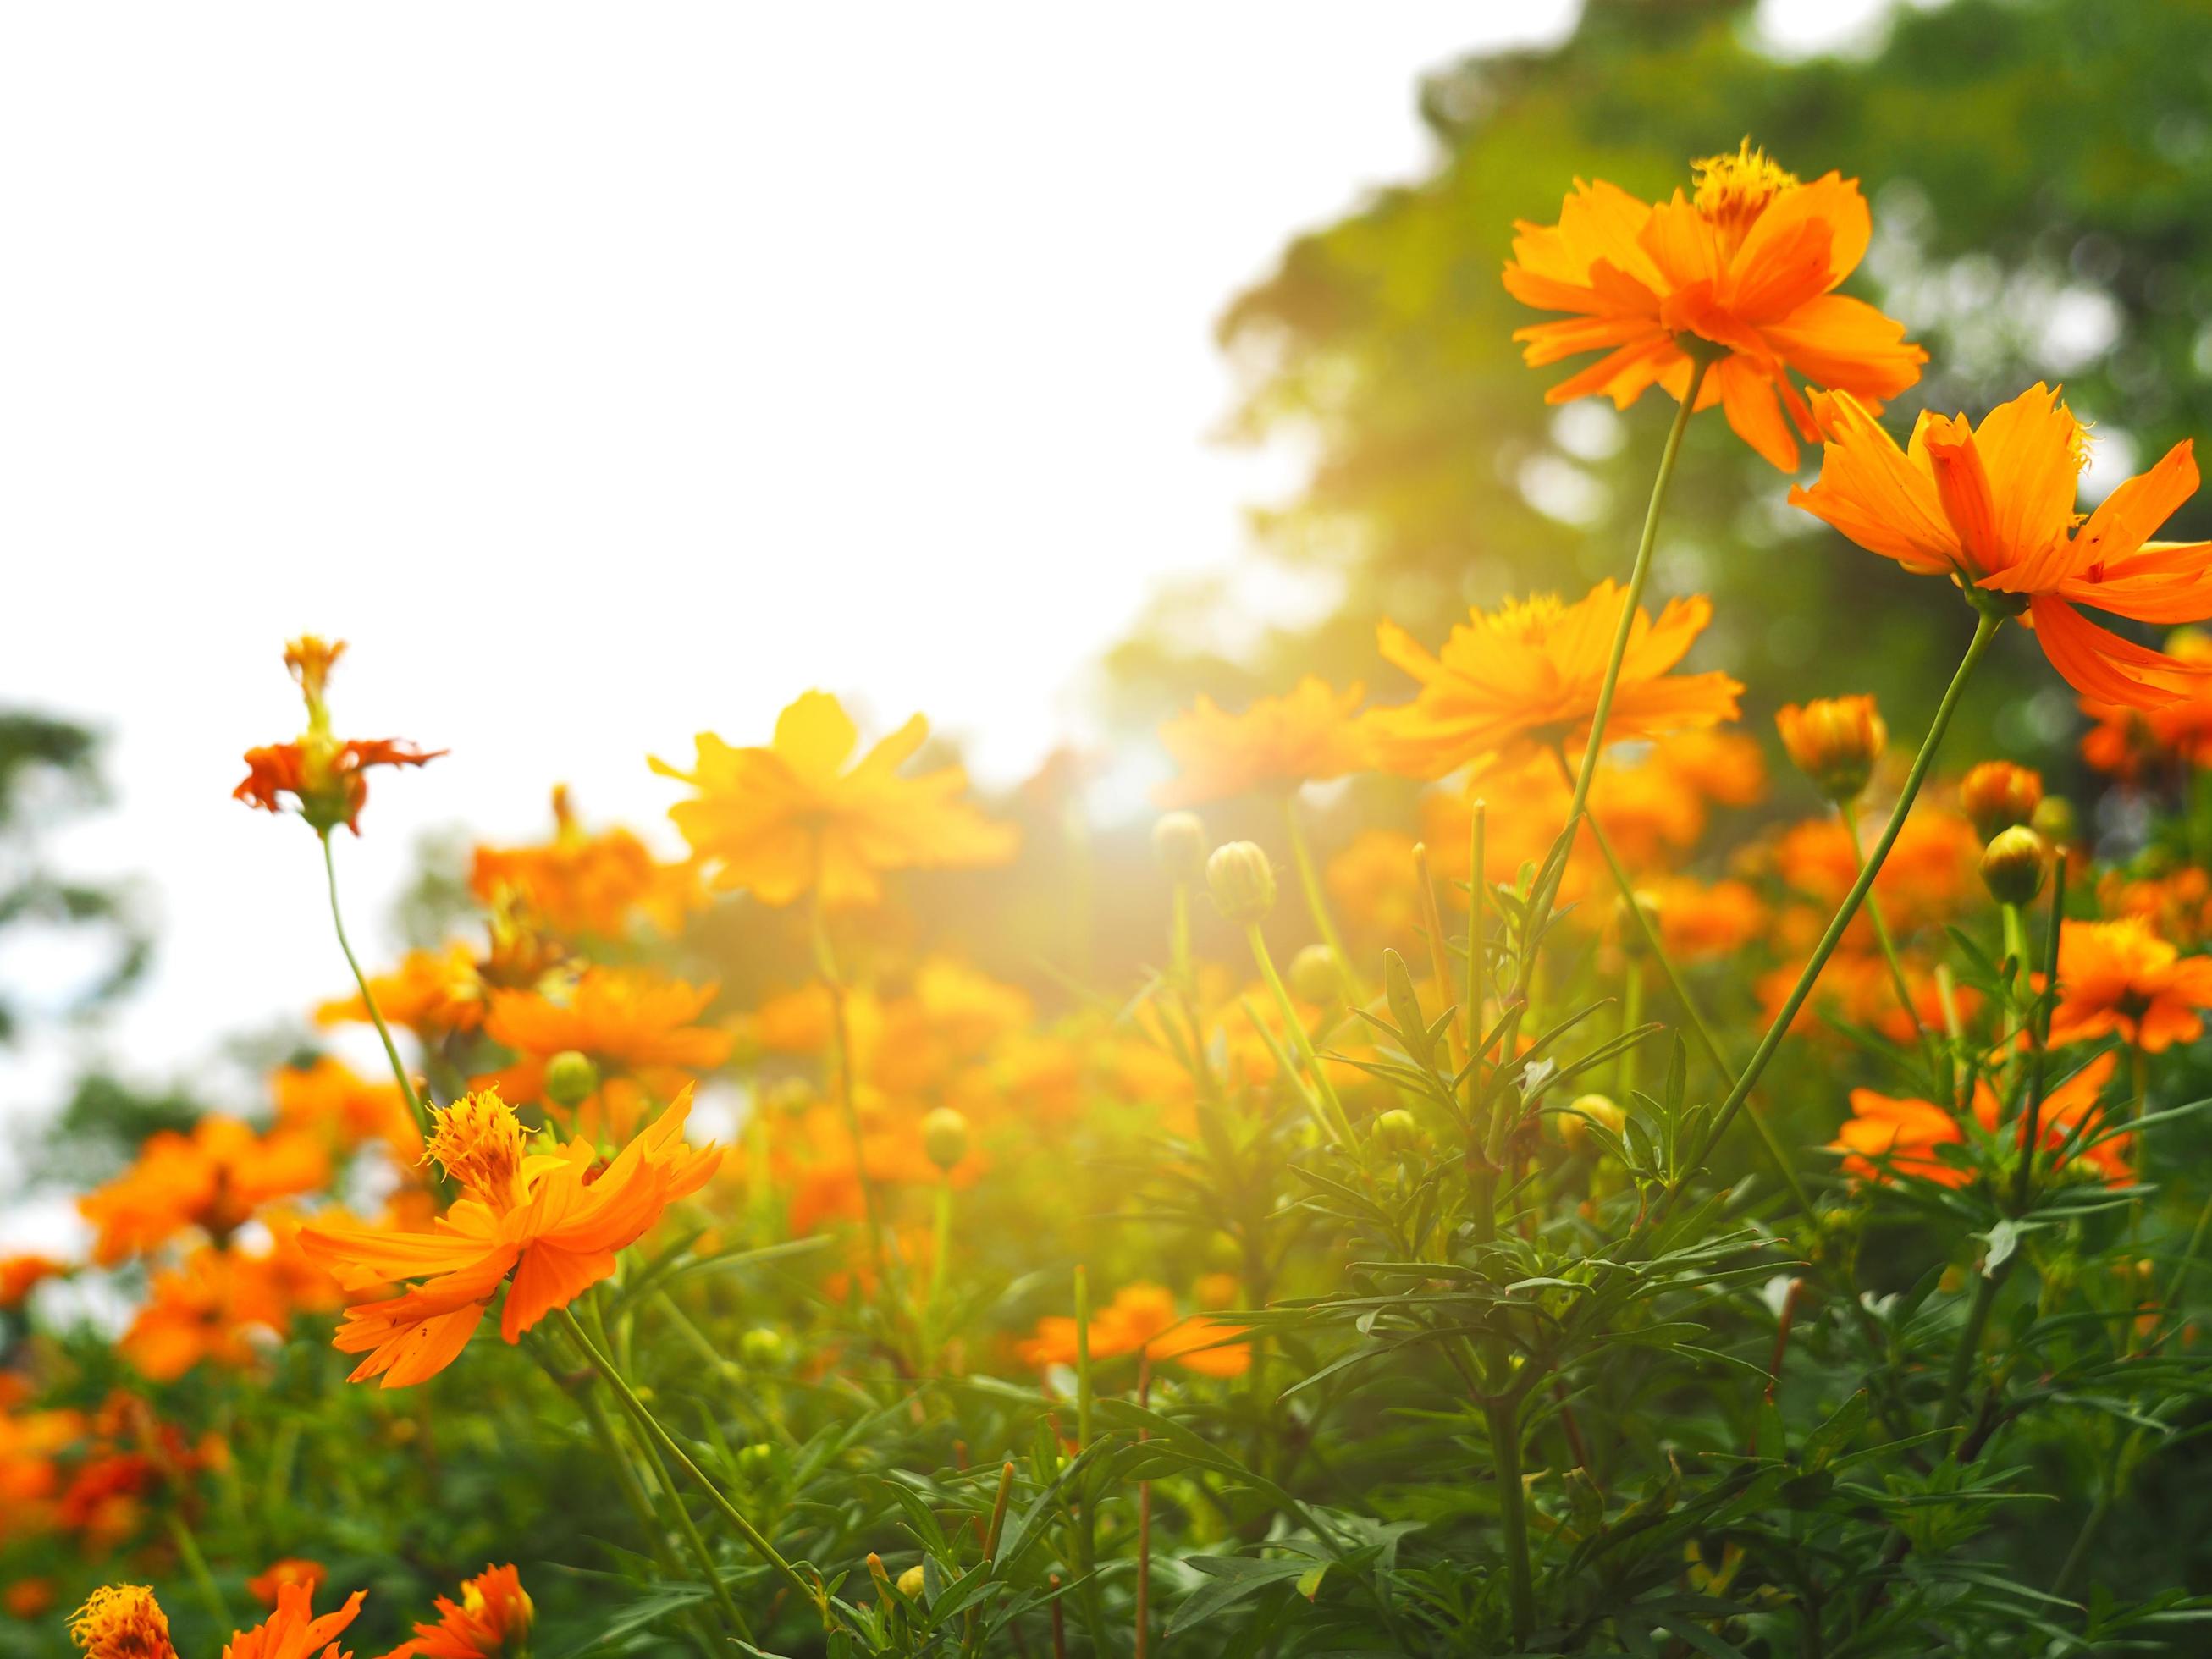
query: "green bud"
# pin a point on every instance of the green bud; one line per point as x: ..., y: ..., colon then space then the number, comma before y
x: 944, y: 1136
x: 570, y: 1079
x: 1313, y: 974
x: 2013, y: 865
x: 1179, y: 843
x: 1242, y: 879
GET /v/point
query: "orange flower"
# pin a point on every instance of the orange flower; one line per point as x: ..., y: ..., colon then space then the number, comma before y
x: 1992, y: 508
x: 29, y: 1598
x: 551, y: 1221
x: 1141, y: 1318
x: 1998, y: 795
x: 635, y: 1028
x: 122, y: 1621
x: 209, y: 1309
x: 1748, y: 266
x: 2120, y: 976
x: 214, y: 1178
x: 22, y: 1274
x: 2129, y: 742
x: 263, y: 1586
x: 1928, y: 875
x: 1278, y: 743
x: 492, y: 1618
x: 1698, y: 923
x: 328, y: 1098
x: 585, y: 884
x: 1834, y: 741
x: 325, y: 776
x: 789, y: 819
x: 2178, y: 907
x: 1904, y: 1134
x: 293, y: 1631
x: 1725, y: 767
x: 2064, y: 1108
x: 1510, y: 682
x: 433, y: 993
x: 1371, y: 884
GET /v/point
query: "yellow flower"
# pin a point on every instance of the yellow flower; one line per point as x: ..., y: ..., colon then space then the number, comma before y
x: 791, y: 818
x: 1512, y: 682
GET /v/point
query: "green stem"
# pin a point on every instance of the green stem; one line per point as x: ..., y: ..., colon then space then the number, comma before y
x: 1513, y: 1512
x: 1985, y: 630
x: 1938, y: 1069
x: 840, y: 1035
x: 1701, y: 360
x: 1317, y: 903
x: 188, y: 1547
x: 1327, y: 1107
x: 415, y: 1103
x: 659, y: 1437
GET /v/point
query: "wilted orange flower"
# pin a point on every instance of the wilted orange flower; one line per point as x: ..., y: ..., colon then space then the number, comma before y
x: 2063, y: 1109
x: 586, y: 882
x: 122, y: 1621
x: 1748, y: 265
x: 1902, y: 1132
x: 1510, y: 682
x: 433, y: 993
x: 263, y: 1586
x: 491, y: 1619
x: 2120, y: 976
x: 214, y: 1178
x: 790, y: 819
x: 2128, y: 742
x: 324, y: 777
x: 1698, y: 922
x: 328, y: 1099
x: 1834, y: 741
x: 22, y: 1274
x: 1998, y: 795
x: 1142, y: 1318
x: 1278, y: 743
x: 291, y: 1631
x: 552, y: 1221
x: 1992, y: 508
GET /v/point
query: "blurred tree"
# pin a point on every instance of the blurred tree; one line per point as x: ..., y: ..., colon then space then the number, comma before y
x: 2041, y: 172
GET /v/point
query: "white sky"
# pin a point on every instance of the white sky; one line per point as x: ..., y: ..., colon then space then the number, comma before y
x: 603, y: 373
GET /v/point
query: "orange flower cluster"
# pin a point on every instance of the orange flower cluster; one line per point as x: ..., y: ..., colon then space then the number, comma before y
x: 587, y: 884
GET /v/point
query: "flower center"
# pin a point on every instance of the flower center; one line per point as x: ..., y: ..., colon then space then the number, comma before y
x: 1733, y: 191
x: 122, y: 1621
x: 478, y: 1142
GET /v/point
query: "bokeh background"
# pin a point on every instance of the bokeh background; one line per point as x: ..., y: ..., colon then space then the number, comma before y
x: 605, y: 379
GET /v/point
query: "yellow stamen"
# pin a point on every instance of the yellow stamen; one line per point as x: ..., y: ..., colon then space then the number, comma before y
x: 1733, y: 191
x: 478, y: 1142
x: 122, y: 1621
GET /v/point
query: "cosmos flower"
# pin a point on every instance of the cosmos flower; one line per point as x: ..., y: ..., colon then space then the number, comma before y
x: 1992, y: 508
x: 1276, y: 743
x: 1511, y: 682
x: 2129, y: 742
x: 2119, y: 976
x: 792, y: 817
x: 1834, y: 741
x: 122, y: 1621
x: 491, y: 1620
x: 325, y: 776
x: 550, y: 1223
x: 214, y: 1178
x: 583, y: 882
x: 1142, y: 1318
x: 291, y: 1631
x: 1748, y: 266
x: 1903, y: 1132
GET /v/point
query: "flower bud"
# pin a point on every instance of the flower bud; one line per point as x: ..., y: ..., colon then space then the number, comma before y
x: 570, y: 1079
x: 2055, y: 821
x: 1998, y: 795
x: 1313, y: 974
x: 2013, y: 865
x: 1179, y: 843
x: 1397, y: 1132
x: 944, y: 1136
x: 1242, y: 880
x: 1574, y: 1121
x: 1834, y: 741
x: 762, y: 1347
x: 910, y: 1583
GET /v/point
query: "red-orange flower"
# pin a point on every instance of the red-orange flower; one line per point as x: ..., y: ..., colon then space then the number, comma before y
x: 1748, y: 266
x: 2128, y: 742
x: 433, y: 993
x: 291, y: 1631
x: 1699, y: 923
x: 325, y: 775
x: 1278, y: 743
x: 1992, y: 508
x: 549, y: 1222
x: 491, y: 1619
x: 637, y: 1029
x: 2064, y: 1109
x: 1904, y: 1134
x: 327, y: 1098
x: 265, y: 1585
x: 792, y: 818
x: 1512, y: 682
x: 1142, y: 1318
x: 2120, y: 976
x: 22, y: 1274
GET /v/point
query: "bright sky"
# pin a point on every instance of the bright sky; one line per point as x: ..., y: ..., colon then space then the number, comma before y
x: 606, y: 374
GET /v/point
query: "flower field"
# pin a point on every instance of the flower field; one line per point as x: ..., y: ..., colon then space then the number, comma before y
x: 1665, y: 1185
